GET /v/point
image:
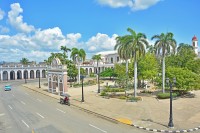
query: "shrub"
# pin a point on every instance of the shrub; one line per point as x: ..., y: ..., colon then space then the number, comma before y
x: 103, y: 93
x: 132, y: 98
x: 146, y: 91
x: 122, y: 97
x: 165, y: 95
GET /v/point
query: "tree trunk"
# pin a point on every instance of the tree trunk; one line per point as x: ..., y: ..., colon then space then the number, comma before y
x: 163, y: 74
x: 79, y: 72
x: 126, y: 74
x: 135, y: 75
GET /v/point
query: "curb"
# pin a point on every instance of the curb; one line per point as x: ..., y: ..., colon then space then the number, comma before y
x: 167, y: 131
x: 118, y: 121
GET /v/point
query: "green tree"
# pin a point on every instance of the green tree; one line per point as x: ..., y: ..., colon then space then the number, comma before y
x: 108, y: 72
x: 72, y: 71
x: 184, y: 46
x: 148, y: 67
x: 185, y: 79
x: 137, y: 43
x: 164, y: 44
x: 77, y: 56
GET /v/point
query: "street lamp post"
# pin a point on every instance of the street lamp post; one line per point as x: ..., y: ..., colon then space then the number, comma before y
x: 82, y: 77
x: 171, y: 124
x: 39, y: 80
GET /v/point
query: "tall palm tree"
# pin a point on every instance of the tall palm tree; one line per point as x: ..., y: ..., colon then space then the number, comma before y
x: 165, y: 44
x: 97, y: 58
x: 137, y: 43
x: 124, y: 52
x: 24, y: 61
x: 65, y: 51
x: 77, y: 56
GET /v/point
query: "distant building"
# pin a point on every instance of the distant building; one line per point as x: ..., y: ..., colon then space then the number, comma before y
x: 195, y: 45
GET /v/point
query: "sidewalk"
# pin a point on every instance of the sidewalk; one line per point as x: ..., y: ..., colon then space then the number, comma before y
x: 147, y: 114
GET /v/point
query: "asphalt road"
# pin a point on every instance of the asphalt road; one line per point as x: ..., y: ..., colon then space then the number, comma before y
x: 25, y: 111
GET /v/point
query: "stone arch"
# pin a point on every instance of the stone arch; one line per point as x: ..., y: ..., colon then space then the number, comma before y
x: 31, y: 74
x: 55, y: 81
x: 12, y: 75
x: 111, y: 59
x: 37, y: 73
x: 5, y: 75
x: 90, y: 70
x: 19, y: 74
x: 25, y: 74
x: 86, y: 71
x: 43, y: 74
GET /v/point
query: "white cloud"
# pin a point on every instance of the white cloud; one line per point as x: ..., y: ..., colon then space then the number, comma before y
x: 16, y: 20
x: 4, y: 29
x: 133, y: 4
x: 2, y: 13
x: 143, y: 4
x: 101, y: 42
x: 38, y: 46
x: 115, y: 3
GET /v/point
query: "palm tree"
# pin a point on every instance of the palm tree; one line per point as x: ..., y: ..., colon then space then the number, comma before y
x: 24, y: 61
x: 65, y: 51
x: 151, y: 49
x: 137, y: 43
x: 77, y: 56
x: 165, y: 44
x: 124, y: 53
x: 97, y: 58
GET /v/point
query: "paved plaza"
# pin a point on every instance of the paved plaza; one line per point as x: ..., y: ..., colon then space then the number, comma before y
x: 149, y: 113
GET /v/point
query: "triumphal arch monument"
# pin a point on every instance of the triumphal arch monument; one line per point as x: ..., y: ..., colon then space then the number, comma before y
x: 57, y: 77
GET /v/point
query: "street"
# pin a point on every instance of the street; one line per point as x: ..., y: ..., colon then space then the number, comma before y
x: 25, y: 111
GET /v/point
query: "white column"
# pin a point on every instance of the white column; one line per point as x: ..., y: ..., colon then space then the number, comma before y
x: 34, y: 74
x: 15, y: 74
x: 8, y: 75
x: 28, y: 74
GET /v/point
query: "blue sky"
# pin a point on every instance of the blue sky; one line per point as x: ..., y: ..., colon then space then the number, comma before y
x: 35, y: 28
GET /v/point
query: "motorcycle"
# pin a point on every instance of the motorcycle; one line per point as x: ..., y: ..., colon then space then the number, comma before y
x: 65, y: 100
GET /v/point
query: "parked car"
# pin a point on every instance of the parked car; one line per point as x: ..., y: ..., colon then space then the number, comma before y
x: 7, y: 88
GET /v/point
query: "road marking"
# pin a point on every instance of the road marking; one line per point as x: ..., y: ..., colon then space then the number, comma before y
x: 25, y: 123
x: 39, y: 100
x: 26, y: 93
x: 98, y: 128
x: 22, y: 102
x: 13, y: 95
x: 61, y: 110
x: 9, y: 106
x: 2, y: 114
x: 40, y: 115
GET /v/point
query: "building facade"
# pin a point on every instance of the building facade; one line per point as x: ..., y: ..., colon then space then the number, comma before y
x: 19, y: 72
x: 109, y: 59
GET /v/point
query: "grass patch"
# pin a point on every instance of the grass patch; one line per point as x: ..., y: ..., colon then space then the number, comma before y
x: 165, y: 95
